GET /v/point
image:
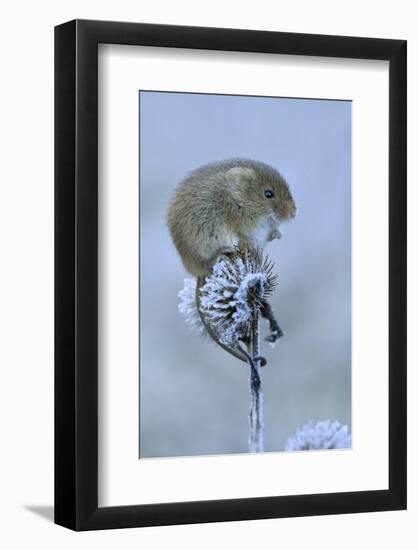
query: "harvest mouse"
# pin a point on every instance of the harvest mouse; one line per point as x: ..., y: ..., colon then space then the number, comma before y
x: 224, y: 204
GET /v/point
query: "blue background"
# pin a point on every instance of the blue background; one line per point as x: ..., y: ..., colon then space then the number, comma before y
x: 193, y: 396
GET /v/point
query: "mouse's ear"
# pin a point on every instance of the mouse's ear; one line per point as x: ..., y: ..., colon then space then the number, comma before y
x: 237, y: 175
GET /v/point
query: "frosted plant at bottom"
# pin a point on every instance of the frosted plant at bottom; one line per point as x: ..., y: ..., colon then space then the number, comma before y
x: 320, y: 434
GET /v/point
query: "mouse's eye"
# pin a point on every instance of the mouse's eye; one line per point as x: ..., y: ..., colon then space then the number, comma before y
x: 268, y: 194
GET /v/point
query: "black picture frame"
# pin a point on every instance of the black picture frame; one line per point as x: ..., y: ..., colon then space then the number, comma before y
x: 76, y: 272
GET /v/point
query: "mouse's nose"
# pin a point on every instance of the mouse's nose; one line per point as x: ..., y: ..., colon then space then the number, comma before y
x: 288, y: 210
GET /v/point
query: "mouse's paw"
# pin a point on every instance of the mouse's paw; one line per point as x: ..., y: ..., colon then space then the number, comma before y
x: 274, y: 335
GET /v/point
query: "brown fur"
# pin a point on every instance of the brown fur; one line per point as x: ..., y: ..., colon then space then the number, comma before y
x: 219, y: 205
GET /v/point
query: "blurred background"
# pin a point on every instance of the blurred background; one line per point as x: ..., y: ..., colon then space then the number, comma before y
x: 193, y: 395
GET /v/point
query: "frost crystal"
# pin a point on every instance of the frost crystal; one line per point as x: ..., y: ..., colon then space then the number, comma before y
x: 188, y: 307
x: 234, y: 292
x: 320, y: 434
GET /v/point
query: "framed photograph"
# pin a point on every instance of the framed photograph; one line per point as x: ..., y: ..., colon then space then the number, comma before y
x: 230, y: 284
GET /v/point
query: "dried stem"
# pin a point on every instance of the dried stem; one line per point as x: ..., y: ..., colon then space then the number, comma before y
x: 256, y: 421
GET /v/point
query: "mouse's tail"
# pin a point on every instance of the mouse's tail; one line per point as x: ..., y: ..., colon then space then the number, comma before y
x: 238, y: 351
